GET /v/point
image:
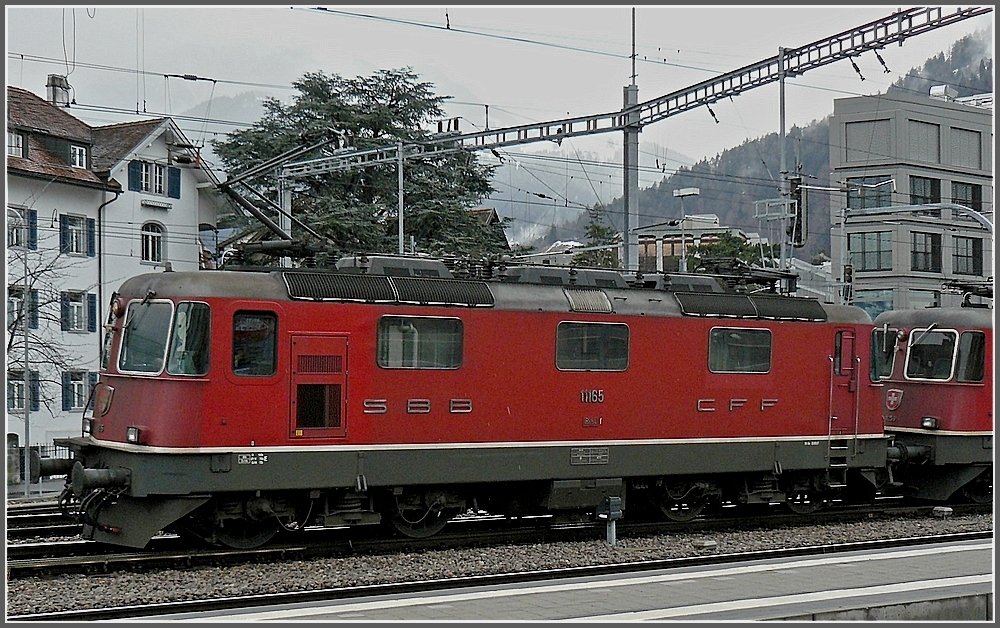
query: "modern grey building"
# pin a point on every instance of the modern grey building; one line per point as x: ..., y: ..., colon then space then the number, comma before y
x: 918, y: 207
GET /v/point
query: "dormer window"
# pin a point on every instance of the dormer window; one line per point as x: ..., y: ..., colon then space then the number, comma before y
x: 78, y: 156
x: 15, y: 144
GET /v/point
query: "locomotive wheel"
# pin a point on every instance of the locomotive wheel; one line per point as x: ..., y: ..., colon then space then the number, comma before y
x: 980, y: 490
x: 681, y: 502
x: 420, y: 525
x: 246, y: 533
x: 804, y: 503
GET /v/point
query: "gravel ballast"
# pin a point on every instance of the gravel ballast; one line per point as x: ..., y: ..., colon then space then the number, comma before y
x: 72, y: 592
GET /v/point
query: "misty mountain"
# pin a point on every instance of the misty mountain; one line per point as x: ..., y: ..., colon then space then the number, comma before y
x: 733, y: 180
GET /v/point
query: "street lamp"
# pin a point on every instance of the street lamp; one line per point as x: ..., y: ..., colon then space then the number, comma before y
x: 682, y: 193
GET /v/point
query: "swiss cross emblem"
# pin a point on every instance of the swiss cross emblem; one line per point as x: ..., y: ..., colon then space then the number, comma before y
x: 893, y: 397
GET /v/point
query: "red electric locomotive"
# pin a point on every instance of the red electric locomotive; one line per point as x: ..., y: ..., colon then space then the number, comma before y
x: 232, y: 405
x: 937, y: 368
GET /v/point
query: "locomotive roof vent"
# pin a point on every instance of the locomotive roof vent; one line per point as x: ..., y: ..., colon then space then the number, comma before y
x: 566, y: 276
x: 750, y: 306
x: 395, y: 266
x: 684, y: 283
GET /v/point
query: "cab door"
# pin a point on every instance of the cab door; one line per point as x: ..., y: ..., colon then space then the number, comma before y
x: 319, y: 386
x: 845, y: 367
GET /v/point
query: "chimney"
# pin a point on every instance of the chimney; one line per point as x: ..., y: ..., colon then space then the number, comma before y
x: 57, y: 90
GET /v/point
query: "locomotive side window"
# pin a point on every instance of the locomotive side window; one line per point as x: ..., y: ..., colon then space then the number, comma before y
x: 255, y: 338
x: 189, y: 340
x: 412, y: 342
x: 931, y: 354
x: 739, y: 350
x: 591, y: 347
x: 971, y: 356
x: 883, y: 351
x: 144, y: 345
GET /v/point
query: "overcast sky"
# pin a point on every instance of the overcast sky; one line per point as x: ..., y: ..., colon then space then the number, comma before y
x: 528, y: 64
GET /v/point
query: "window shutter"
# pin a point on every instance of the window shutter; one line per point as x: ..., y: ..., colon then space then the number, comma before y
x: 67, y: 392
x: 135, y: 175
x: 33, y: 309
x: 91, y: 311
x: 174, y: 182
x: 63, y: 234
x: 91, y: 385
x: 63, y: 311
x: 34, y: 390
x: 33, y: 229
x: 91, y: 237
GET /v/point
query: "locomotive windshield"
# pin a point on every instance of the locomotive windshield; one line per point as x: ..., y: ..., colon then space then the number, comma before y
x: 144, y: 345
x: 931, y: 354
x: 189, y: 340
x: 883, y: 351
x: 153, y: 326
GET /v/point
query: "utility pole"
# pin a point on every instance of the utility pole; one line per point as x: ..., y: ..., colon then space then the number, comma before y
x: 630, y: 162
x: 399, y: 171
x: 782, y: 262
x: 25, y: 372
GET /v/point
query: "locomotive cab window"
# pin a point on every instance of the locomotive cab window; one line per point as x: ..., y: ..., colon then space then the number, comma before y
x: 739, y: 350
x: 413, y: 342
x: 971, y: 356
x: 883, y: 352
x: 144, y: 344
x: 189, y: 340
x: 931, y: 354
x: 255, y: 338
x: 592, y: 347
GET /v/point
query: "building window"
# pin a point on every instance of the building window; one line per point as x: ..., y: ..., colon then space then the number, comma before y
x: 921, y: 299
x: 16, y: 232
x: 925, y: 141
x: 75, y: 390
x: 873, y: 301
x: 968, y: 259
x: 77, y: 156
x: 739, y: 350
x: 967, y: 148
x: 76, y: 235
x: 870, y: 251
x: 419, y: 343
x: 20, y: 392
x: 15, y: 390
x: 924, y: 190
x: 926, y: 252
x: 152, y: 242
x: 859, y: 197
x: 15, y: 144
x: 15, y: 305
x: 967, y: 194
x: 152, y: 177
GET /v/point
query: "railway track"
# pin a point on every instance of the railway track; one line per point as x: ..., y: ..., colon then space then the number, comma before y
x: 169, y: 551
x: 409, y: 588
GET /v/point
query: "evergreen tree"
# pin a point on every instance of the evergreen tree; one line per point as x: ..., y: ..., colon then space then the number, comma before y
x: 355, y: 209
x: 598, y: 234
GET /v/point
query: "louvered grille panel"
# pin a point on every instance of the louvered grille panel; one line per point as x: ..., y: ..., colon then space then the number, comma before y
x: 339, y: 286
x: 785, y: 308
x: 443, y: 291
x: 584, y: 300
x: 321, y: 364
x: 711, y: 304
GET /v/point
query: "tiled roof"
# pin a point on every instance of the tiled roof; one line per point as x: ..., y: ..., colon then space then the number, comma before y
x: 113, y: 142
x: 42, y: 162
x: 31, y: 113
